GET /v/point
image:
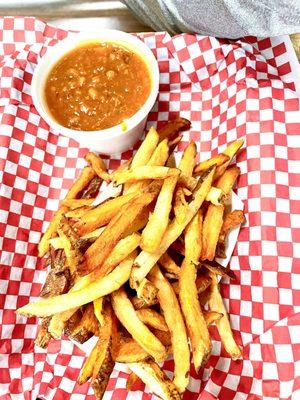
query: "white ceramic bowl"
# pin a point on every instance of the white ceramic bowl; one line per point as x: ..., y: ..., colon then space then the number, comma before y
x: 106, y: 141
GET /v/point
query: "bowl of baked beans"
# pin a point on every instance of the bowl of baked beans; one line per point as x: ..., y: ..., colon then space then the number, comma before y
x: 97, y: 89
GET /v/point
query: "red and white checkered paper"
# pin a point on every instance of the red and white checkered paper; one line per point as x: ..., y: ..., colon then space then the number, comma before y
x: 228, y: 89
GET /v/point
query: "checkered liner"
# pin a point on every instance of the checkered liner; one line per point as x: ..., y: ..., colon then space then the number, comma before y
x: 228, y: 89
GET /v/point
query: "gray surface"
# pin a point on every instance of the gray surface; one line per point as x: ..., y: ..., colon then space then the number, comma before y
x: 221, y: 18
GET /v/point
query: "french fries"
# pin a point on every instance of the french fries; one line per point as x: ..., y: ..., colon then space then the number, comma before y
x: 158, y: 221
x: 70, y: 300
x: 105, y: 251
x: 128, y: 317
x: 145, y: 261
x: 216, y: 304
x: 171, y: 310
x: 195, y: 322
x: 98, y: 165
x: 212, y: 226
x: 144, y: 172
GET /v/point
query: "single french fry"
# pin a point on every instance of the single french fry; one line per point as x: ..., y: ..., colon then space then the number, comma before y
x: 216, y: 304
x: 88, y: 367
x: 94, y: 234
x: 43, y: 246
x: 101, y: 214
x: 86, y: 175
x: 212, y: 226
x: 130, y: 351
x: 43, y: 337
x: 146, y: 149
x: 169, y: 265
x: 101, y: 248
x: 173, y: 317
x: 227, y: 180
x: 56, y: 243
x: 171, y: 128
x: 187, y: 161
x: 76, y: 203
x: 158, y: 221
x: 180, y: 204
x: 99, y: 384
x: 126, y: 314
x: 98, y: 165
x: 217, y: 160
x: 152, y: 318
x: 231, y: 220
x: 202, y: 283
x: 230, y: 151
x: 98, y: 310
x: 72, y: 299
x: 145, y: 261
x: 155, y: 379
x: 188, y: 296
x: 144, y: 172
x: 132, y: 381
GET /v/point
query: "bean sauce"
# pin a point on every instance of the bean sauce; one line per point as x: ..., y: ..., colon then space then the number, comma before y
x: 97, y: 86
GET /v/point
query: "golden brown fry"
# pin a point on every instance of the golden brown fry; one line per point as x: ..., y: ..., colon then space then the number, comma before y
x: 169, y: 265
x: 227, y: 180
x: 217, y: 160
x: 98, y: 310
x: 144, y: 172
x: 212, y: 225
x: 230, y: 151
x: 76, y: 203
x: 187, y: 161
x: 158, y: 221
x: 102, y: 214
x: 180, y: 204
x: 88, y: 367
x: 139, y: 222
x: 132, y: 381
x: 211, y: 316
x: 86, y: 175
x: 72, y: 299
x: 172, y: 313
x: 93, y: 234
x: 231, y: 220
x: 127, y: 316
x: 155, y: 379
x: 101, y: 248
x: 164, y: 337
x: 130, y: 351
x: 145, y: 261
x: 100, y: 383
x: 98, y: 165
x: 152, y: 318
x: 188, y: 296
x: 56, y: 243
x: 146, y: 149
x: 43, y: 246
x: 223, y: 324
x: 171, y: 128
x: 202, y: 283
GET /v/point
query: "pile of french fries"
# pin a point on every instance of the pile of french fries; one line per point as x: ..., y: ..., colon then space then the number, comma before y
x: 138, y: 270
